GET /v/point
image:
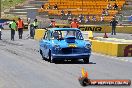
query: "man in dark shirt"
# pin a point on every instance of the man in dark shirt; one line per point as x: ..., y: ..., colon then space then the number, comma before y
x: 115, y: 6
x: 113, y: 23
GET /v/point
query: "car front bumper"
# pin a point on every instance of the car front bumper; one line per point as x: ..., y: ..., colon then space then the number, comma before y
x: 71, y: 56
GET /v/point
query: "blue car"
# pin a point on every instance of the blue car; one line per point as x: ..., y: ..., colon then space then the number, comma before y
x: 64, y: 44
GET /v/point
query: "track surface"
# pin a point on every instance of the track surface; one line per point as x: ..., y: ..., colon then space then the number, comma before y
x: 21, y: 66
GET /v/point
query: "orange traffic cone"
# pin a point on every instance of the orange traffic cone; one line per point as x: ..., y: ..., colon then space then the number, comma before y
x: 105, y: 35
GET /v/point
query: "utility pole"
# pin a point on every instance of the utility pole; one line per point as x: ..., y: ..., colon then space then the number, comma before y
x: 0, y: 8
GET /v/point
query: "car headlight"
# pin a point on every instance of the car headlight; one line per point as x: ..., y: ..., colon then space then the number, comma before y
x: 57, y: 47
x: 87, y: 46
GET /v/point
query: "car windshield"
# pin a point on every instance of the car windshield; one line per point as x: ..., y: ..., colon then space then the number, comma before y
x: 61, y: 34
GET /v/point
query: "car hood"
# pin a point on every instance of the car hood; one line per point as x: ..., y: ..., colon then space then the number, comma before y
x: 64, y: 44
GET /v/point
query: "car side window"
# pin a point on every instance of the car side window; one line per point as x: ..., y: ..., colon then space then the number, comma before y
x: 48, y: 35
x: 79, y: 35
x: 45, y: 35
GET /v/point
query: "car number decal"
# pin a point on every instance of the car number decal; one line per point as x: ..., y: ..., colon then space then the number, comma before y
x: 72, y: 45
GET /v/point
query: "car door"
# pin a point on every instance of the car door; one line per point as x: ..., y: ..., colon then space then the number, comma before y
x: 43, y: 44
x: 47, y: 43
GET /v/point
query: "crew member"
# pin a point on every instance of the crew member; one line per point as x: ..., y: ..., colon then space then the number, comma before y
x: 0, y: 31
x: 113, y: 23
x: 74, y: 24
x: 33, y: 26
x: 13, y: 27
x: 20, y: 26
x: 29, y: 21
x: 35, y: 23
x: 52, y: 24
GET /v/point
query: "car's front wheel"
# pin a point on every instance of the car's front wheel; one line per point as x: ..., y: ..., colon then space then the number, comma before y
x: 42, y: 55
x: 86, y: 60
x: 51, y: 59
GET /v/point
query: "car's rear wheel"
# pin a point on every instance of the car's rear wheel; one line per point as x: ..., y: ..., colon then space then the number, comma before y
x: 51, y: 59
x: 42, y: 55
x: 86, y: 60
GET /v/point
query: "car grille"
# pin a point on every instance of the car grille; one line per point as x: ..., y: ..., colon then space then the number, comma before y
x: 72, y: 50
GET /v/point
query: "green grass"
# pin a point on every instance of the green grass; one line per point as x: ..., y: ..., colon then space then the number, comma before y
x: 5, y: 4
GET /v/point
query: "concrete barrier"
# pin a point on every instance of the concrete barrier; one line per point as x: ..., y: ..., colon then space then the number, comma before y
x: 100, y: 28
x: 87, y: 35
x: 113, y: 47
x: 39, y: 34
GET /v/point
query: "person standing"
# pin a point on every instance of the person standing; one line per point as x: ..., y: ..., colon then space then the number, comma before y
x: 13, y: 27
x: 115, y: 6
x: 0, y: 30
x: 33, y: 27
x: 20, y: 26
x: 130, y: 19
x: 52, y: 24
x: 74, y: 24
x: 62, y: 14
x: 109, y: 7
x: 28, y: 22
x: 35, y: 23
x: 87, y: 19
x: 81, y: 18
x: 113, y: 23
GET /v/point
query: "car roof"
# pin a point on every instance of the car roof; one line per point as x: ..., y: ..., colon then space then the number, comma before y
x: 63, y: 29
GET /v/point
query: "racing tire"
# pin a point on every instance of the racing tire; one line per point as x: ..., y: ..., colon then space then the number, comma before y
x: 86, y: 60
x: 51, y: 59
x: 42, y: 55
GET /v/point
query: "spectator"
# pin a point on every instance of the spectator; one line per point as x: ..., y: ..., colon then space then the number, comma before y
x: 105, y: 12
x: 130, y: 19
x: 102, y: 18
x: 42, y: 6
x: 81, y: 18
x: 74, y: 24
x: 113, y: 23
x: 55, y: 6
x: 109, y: 7
x: 120, y: 19
x: 115, y: 6
x: 94, y: 18
x: 69, y: 14
x: 62, y: 14
x: 20, y: 26
x: 87, y: 19
x: 69, y: 19
x: 49, y: 6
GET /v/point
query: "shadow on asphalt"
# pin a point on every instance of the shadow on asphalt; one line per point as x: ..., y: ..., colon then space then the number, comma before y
x: 72, y: 62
